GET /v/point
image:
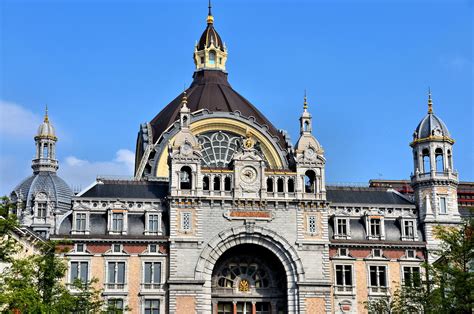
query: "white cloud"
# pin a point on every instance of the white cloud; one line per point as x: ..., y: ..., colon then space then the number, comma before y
x: 79, y: 173
x: 17, y: 121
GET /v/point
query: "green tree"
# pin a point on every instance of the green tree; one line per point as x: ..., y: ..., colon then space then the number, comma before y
x: 447, y: 285
x: 33, y: 284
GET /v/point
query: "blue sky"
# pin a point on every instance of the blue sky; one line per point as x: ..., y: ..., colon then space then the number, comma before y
x: 104, y: 67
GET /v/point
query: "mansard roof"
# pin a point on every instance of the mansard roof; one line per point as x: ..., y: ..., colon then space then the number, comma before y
x: 210, y: 90
x: 359, y: 195
x: 127, y: 189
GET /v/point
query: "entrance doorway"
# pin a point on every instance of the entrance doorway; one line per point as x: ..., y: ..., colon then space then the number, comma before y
x: 249, y: 279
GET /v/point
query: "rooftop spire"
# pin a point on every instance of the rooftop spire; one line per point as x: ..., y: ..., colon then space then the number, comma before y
x: 305, y: 102
x: 210, y: 18
x: 430, y: 102
x: 46, y: 118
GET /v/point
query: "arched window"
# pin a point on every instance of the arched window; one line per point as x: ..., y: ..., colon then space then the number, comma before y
x: 439, y: 160
x: 450, y: 160
x: 45, y: 151
x: 306, y: 126
x: 205, y: 183
x: 291, y: 186
x: 269, y: 185
x: 185, y: 178
x: 227, y: 184
x: 426, y: 160
x: 280, y: 185
x: 212, y: 57
x: 309, y: 181
x: 217, y: 183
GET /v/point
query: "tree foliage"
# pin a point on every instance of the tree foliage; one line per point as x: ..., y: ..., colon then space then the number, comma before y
x: 34, y: 283
x: 447, y: 285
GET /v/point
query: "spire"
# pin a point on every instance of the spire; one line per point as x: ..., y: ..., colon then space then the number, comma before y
x: 184, y: 100
x: 430, y: 102
x: 46, y: 119
x: 210, y: 18
x: 305, y: 102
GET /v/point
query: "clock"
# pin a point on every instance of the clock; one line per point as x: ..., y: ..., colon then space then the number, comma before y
x: 186, y: 149
x: 248, y: 174
x: 309, y: 153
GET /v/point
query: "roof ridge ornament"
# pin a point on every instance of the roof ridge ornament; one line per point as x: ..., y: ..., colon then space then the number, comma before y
x: 430, y: 101
x: 46, y: 118
x: 305, y: 101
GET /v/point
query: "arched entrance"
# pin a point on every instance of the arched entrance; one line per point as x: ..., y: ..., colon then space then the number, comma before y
x: 249, y: 279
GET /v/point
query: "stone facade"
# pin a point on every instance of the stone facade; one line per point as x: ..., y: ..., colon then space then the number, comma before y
x: 225, y: 215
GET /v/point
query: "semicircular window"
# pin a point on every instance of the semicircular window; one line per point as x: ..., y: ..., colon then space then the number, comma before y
x: 246, y: 268
x: 218, y: 148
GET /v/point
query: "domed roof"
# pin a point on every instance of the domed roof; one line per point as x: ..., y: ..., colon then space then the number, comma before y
x: 431, y: 125
x: 210, y: 36
x: 45, y: 182
x: 46, y: 129
x: 210, y: 90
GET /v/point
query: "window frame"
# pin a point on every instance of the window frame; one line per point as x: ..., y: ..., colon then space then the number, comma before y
x: 378, y: 289
x: 344, y: 289
x: 337, y: 220
x: 183, y: 228
x: 312, y: 227
x: 147, y: 286
x: 445, y: 198
x: 148, y: 230
x: 116, y: 286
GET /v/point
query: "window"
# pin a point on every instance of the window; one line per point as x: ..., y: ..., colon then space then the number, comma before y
x: 217, y: 183
x: 41, y: 211
x: 205, y: 183
x: 212, y: 57
x: 152, y: 248
x: 117, y: 248
x: 343, y: 278
x: 202, y: 60
x: 312, y: 224
x: 115, y: 306
x: 186, y: 221
x: 225, y: 308
x: 376, y: 253
x: 426, y: 160
x: 375, y: 230
x: 151, y: 275
x: 309, y: 181
x: 80, y: 221
x: 42, y: 233
x: 442, y: 205
x: 269, y: 185
x: 117, y: 222
x: 343, y: 252
x: 227, y: 184
x: 80, y: 248
x: 378, y: 279
x: 218, y: 148
x: 291, y: 186
x: 410, y: 254
x: 185, y: 179
x: 341, y: 227
x: 115, y: 275
x: 409, y: 229
x: 439, y: 160
x: 79, y: 270
x: 152, y: 306
x: 280, y: 185
x: 263, y: 308
x: 411, y: 276
x: 153, y: 222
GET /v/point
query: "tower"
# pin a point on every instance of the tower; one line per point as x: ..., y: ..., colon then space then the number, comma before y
x: 310, y: 160
x: 434, y: 180
x: 43, y: 198
x: 210, y: 53
x: 45, y: 158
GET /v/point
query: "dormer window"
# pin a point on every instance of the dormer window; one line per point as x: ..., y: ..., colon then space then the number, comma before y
x: 41, y: 210
x: 117, y: 222
x: 374, y: 225
x: 341, y: 228
x: 409, y: 229
x: 212, y: 57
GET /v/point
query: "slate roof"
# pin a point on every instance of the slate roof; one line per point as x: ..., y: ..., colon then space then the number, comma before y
x: 356, y: 195
x: 210, y: 90
x: 428, y: 125
x: 209, y: 36
x: 49, y: 183
x: 127, y: 189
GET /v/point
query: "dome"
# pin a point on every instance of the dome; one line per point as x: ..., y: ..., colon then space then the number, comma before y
x: 44, y: 182
x: 46, y: 129
x: 430, y: 126
x: 210, y: 36
x: 210, y: 90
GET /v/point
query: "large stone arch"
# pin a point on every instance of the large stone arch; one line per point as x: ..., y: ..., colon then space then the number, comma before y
x: 246, y: 234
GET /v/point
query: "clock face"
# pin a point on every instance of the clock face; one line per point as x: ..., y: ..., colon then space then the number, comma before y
x: 309, y: 152
x: 248, y: 174
x: 186, y: 149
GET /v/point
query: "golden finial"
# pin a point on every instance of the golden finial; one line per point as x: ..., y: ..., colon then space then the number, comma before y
x: 305, y: 102
x: 210, y: 18
x: 430, y: 102
x: 46, y: 118
x: 184, y: 100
